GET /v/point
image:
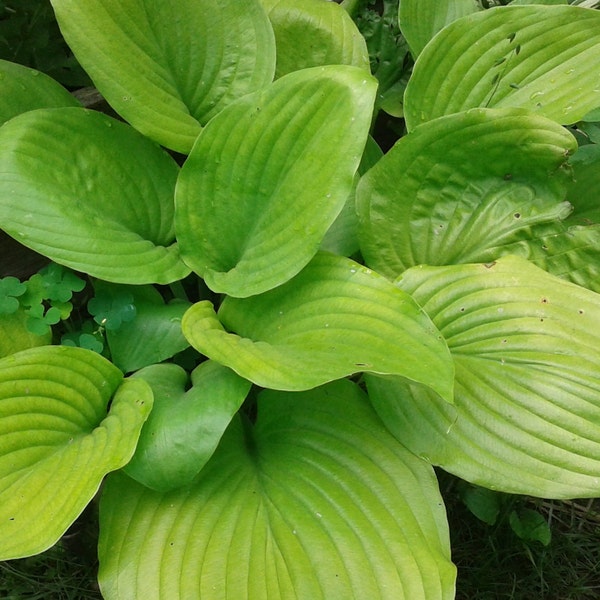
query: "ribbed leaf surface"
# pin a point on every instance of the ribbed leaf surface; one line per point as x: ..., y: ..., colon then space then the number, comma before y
x: 420, y: 20
x: 317, y: 500
x: 543, y: 58
x: 165, y: 68
x: 269, y: 175
x: 312, y: 33
x: 91, y: 193
x: 57, y: 441
x: 460, y: 188
x: 526, y: 417
x: 333, y: 319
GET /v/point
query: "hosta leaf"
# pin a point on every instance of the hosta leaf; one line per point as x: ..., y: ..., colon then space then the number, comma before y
x: 526, y: 417
x: 571, y: 249
x: 342, y: 237
x: 184, y: 427
x: 167, y: 71
x: 269, y: 175
x: 57, y: 441
x: 14, y: 335
x: 153, y: 335
x: 312, y: 33
x: 23, y: 89
x: 542, y: 58
x: 584, y: 188
x: 333, y: 319
x: 316, y: 501
x: 421, y: 20
x: 90, y: 193
x: 460, y: 188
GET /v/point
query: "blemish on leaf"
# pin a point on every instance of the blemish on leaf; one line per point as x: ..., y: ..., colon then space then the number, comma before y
x: 489, y: 265
x: 517, y: 215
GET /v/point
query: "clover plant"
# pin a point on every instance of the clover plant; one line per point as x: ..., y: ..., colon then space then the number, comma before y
x: 283, y: 329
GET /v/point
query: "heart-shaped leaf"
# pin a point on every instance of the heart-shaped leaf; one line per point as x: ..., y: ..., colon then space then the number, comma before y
x: 459, y: 188
x: 91, y: 193
x: 542, y: 58
x: 317, y: 500
x: 420, y: 20
x: 153, y: 335
x: 23, y: 89
x: 526, y: 416
x: 57, y: 441
x: 168, y: 70
x: 184, y: 427
x: 312, y: 33
x: 269, y: 175
x: 335, y: 318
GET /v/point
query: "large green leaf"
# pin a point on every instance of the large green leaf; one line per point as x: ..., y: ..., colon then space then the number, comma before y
x: 571, y: 248
x: 23, y: 89
x: 269, y: 175
x: 185, y: 426
x: 333, y: 319
x: 420, y: 20
x: 57, y: 441
x: 153, y: 335
x: 167, y: 70
x: 14, y: 335
x: 317, y: 500
x: 312, y: 33
x: 526, y: 417
x: 91, y: 193
x: 542, y: 58
x: 460, y: 188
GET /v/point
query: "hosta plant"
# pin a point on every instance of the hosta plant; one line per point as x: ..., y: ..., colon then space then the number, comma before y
x: 271, y: 330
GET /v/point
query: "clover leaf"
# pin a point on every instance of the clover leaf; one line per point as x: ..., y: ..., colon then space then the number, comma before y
x: 10, y: 289
x: 112, y: 306
x: 40, y: 319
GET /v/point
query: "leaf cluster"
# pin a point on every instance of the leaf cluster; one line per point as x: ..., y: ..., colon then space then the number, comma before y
x: 289, y: 328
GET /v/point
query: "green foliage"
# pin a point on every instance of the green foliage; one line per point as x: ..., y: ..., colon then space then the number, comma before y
x: 349, y: 320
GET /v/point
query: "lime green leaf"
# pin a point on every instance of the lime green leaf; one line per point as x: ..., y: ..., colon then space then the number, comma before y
x: 153, y: 335
x: 312, y: 33
x: 542, y: 58
x: 184, y: 427
x: 57, y: 441
x: 269, y: 175
x: 526, y: 413
x: 571, y: 249
x: 342, y: 237
x: 168, y: 71
x: 316, y: 501
x: 333, y: 319
x: 459, y: 189
x: 23, y: 89
x: 90, y: 193
x: 420, y: 20
x: 15, y: 336
x: 584, y: 187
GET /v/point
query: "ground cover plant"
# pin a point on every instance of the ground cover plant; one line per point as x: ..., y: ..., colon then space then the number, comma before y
x: 258, y: 333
